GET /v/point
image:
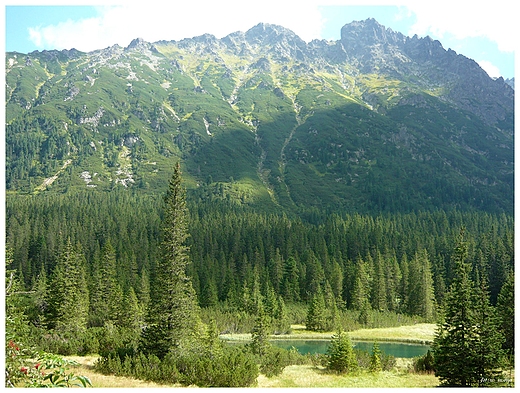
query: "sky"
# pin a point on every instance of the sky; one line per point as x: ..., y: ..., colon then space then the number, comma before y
x: 481, y: 30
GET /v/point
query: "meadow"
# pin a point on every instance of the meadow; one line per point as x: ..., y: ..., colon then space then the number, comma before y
x: 307, y: 376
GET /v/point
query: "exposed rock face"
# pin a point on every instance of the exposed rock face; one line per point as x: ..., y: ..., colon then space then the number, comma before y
x: 362, y: 118
x: 141, y: 45
x: 373, y: 48
x: 369, y: 48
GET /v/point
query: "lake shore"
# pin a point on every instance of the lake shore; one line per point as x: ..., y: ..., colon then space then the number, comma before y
x: 421, y: 333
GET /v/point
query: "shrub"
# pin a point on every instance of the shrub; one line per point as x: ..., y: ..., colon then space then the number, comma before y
x: 232, y: 367
x: 375, y: 359
x: 423, y: 364
x: 341, y: 358
x: 273, y: 362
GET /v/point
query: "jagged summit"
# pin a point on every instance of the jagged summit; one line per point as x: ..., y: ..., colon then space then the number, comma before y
x: 367, y: 33
x: 270, y: 32
x: 141, y: 45
x: 349, y: 123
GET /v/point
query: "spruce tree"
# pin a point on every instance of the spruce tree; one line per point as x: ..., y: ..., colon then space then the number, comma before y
x: 316, y: 313
x: 375, y: 359
x: 290, y: 281
x: 420, y: 300
x: 340, y: 354
x: 379, y: 290
x: 143, y: 292
x: 260, y: 333
x: 487, y: 343
x: 360, y: 297
x: 39, y: 299
x: 173, y: 312
x: 131, y: 315
x: 331, y: 308
x: 106, y: 295
x: 68, y: 297
x: 281, y: 319
x: 467, y: 344
x: 271, y: 302
x: 393, y: 278
x: 208, y: 293
x: 452, y: 342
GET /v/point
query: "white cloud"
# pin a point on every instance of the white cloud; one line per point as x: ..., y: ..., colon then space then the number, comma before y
x: 153, y: 21
x: 174, y: 21
x: 491, y: 69
x: 493, y: 20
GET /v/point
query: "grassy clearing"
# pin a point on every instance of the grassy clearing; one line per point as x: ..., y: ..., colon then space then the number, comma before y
x: 309, y: 377
x: 421, y: 333
x: 86, y: 368
x: 305, y: 376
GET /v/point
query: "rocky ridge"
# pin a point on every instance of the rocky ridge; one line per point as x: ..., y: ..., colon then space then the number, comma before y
x: 265, y: 112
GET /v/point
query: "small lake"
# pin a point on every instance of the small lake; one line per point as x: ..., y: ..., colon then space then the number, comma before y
x: 398, y: 350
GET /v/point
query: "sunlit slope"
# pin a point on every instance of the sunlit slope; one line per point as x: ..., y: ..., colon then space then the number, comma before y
x: 263, y: 118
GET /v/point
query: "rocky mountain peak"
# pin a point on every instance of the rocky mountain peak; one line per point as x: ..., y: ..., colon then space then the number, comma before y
x: 367, y: 33
x: 53, y: 55
x: 343, y: 114
x: 265, y: 33
x: 278, y: 40
x: 140, y: 45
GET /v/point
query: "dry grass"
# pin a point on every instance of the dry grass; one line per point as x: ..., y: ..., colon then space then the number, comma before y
x: 305, y: 376
x: 86, y: 368
x: 421, y: 333
x: 310, y: 377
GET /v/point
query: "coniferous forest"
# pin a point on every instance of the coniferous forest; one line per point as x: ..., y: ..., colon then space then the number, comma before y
x: 89, y: 267
x: 399, y: 258
x: 161, y: 195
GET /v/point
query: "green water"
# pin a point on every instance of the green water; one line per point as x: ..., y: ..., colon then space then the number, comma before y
x: 399, y: 350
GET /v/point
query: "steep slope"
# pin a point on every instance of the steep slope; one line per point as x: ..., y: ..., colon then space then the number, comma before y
x: 373, y: 121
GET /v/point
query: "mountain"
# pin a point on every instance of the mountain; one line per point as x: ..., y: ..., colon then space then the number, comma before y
x: 375, y: 121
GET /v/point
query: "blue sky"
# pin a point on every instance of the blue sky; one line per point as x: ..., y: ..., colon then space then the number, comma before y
x: 482, y: 32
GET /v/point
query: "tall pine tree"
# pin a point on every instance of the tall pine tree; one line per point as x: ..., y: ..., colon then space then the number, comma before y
x: 106, y: 296
x: 316, y: 312
x: 487, y: 344
x: 421, y: 299
x: 466, y: 347
x: 68, y: 298
x: 173, y: 313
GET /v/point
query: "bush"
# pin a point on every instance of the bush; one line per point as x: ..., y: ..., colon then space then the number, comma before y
x: 341, y: 357
x: 232, y: 367
x: 29, y: 369
x: 273, y: 362
x: 102, y: 340
x: 423, y: 364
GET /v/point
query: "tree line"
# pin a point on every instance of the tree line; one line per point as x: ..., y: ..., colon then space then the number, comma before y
x: 94, y: 299
x: 398, y: 262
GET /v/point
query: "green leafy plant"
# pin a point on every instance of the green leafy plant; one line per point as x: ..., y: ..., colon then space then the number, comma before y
x: 375, y: 359
x: 42, y: 370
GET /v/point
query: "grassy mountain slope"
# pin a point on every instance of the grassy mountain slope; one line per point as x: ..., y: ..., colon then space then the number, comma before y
x: 263, y: 118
